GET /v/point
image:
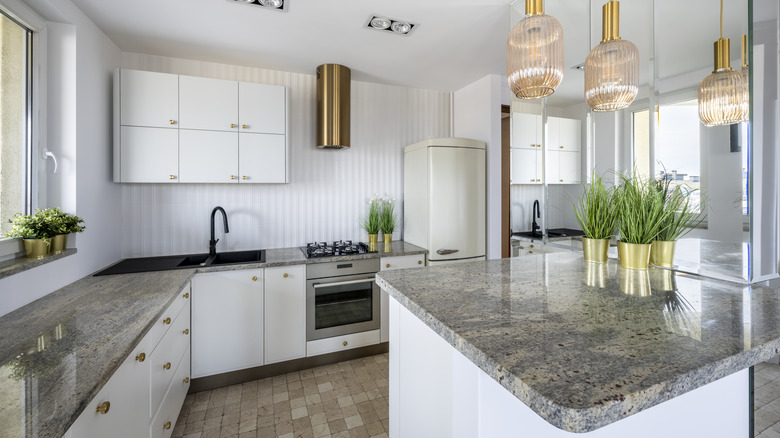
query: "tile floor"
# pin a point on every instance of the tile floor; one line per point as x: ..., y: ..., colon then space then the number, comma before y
x: 766, y: 380
x: 343, y: 400
x: 349, y: 399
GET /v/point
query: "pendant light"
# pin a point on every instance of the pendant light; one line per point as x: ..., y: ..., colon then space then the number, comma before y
x: 745, y: 73
x: 534, y: 52
x: 612, y: 67
x: 721, y: 93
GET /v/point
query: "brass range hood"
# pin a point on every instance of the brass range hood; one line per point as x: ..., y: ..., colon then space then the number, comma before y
x: 333, y: 113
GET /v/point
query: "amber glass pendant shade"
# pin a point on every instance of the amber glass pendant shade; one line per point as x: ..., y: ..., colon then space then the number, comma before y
x: 534, y: 53
x: 612, y: 67
x: 745, y: 72
x: 721, y: 94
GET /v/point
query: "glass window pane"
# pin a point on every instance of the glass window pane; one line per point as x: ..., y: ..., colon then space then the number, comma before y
x: 677, y: 149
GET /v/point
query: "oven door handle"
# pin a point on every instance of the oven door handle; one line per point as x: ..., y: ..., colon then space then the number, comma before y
x: 340, y: 283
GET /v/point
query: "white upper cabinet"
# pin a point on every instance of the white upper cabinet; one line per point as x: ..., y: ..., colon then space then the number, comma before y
x: 208, y: 156
x: 262, y: 158
x: 258, y: 108
x: 526, y: 131
x: 208, y: 104
x: 570, y: 138
x: 563, y: 150
x: 139, y: 145
x: 149, y: 99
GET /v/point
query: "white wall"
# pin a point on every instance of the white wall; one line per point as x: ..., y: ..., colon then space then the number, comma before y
x: 477, y: 115
x: 80, y: 62
x: 329, y: 189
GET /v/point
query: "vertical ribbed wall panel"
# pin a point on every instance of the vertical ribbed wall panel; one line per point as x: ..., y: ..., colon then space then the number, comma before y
x: 329, y: 189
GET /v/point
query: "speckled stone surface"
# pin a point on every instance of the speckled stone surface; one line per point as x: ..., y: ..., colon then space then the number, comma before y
x: 22, y: 264
x: 710, y: 258
x: 585, y: 345
x: 88, y: 328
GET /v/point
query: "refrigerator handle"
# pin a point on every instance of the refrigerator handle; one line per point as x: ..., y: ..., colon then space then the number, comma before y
x: 446, y: 251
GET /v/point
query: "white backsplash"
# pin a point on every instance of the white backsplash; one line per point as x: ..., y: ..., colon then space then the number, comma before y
x: 329, y: 189
x: 560, y: 212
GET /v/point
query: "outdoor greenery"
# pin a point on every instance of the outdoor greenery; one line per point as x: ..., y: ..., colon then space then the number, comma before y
x: 44, y: 224
x: 372, y: 222
x: 388, y: 221
x: 596, y: 212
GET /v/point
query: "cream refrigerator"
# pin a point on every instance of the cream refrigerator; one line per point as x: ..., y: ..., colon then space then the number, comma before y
x: 444, y: 199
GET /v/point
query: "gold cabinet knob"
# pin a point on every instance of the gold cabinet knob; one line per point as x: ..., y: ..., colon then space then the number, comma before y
x: 232, y: 177
x: 171, y: 176
x: 530, y: 252
x: 186, y: 380
x: 171, y: 122
x: 186, y: 331
x: 243, y: 126
x: 345, y: 343
x: 167, y: 425
x: 532, y: 245
x: 103, y: 407
x: 186, y: 295
x: 387, y: 265
x: 561, y: 147
x: 141, y: 357
x: 244, y: 177
x: 254, y: 278
x: 419, y: 262
x: 232, y: 125
x: 167, y: 366
x: 285, y: 275
x: 561, y: 180
x: 533, y: 180
x: 167, y: 320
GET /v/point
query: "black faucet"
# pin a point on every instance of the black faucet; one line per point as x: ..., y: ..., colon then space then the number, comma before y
x: 213, y: 242
x: 534, y: 214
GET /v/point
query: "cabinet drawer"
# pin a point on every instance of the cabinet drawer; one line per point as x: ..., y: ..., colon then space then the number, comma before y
x: 163, y: 423
x: 163, y: 323
x: 402, y: 262
x: 166, y: 357
x: 342, y: 343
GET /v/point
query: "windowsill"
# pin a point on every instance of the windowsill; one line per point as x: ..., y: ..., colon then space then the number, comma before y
x: 21, y: 264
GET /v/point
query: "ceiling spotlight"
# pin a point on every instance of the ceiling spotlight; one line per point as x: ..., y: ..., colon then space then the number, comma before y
x: 272, y: 3
x: 378, y: 22
x: 278, y: 5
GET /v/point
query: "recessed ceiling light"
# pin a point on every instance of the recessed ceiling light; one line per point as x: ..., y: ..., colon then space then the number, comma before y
x: 401, y: 27
x: 278, y: 5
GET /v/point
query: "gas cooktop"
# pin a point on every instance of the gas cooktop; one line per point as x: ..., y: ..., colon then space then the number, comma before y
x: 338, y: 248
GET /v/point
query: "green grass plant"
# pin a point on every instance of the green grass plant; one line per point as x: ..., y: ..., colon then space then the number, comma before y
x: 681, y: 216
x: 388, y: 221
x: 596, y: 211
x: 641, y: 206
x: 372, y: 222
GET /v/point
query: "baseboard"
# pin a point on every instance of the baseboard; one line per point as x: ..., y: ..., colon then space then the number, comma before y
x: 276, y: 369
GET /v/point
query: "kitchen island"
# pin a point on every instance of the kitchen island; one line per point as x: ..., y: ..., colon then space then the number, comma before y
x: 547, y: 345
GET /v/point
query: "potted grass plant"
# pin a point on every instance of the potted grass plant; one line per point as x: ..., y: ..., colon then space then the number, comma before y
x: 371, y: 223
x: 597, y: 214
x: 641, y: 215
x: 682, y: 216
x: 388, y: 221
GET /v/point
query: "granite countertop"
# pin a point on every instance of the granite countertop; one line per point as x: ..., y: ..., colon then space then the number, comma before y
x: 585, y: 345
x: 57, y: 352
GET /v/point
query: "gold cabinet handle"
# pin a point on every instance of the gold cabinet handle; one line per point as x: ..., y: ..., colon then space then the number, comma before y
x: 419, y: 262
x: 167, y: 425
x: 345, y: 343
x: 387, y: 265
x: 186, y: 380
x: 171, y: 176
x: 167, y: 366
x: 186, y: 331
x: 103, y: 407
x: 254, y: 278
x: 232, y: 125
x: 141, y: 357
x: 243, y: 126
x: 167, y: 320
x: 186, y: 295
x: 171, y: 122
x: 285, y: 275
x: 244, y: 177
x: 232, y: 177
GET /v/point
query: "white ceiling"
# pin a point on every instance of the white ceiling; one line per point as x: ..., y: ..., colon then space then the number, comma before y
x: 456, y: 41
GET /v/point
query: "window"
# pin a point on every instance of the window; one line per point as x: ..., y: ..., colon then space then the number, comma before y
x: 15, y: 120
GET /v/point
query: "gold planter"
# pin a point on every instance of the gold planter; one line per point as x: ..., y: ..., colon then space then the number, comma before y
x: 635, y: 282
x: 59, y: 243
x: 595, y: 250
x: 36, y: 248
x: 596, y: 275
x: 662, y: 253
x: 634, y: 255
x: 372, y: 242
x: 388, y: 237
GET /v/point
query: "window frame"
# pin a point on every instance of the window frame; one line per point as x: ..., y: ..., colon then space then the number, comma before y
x: 35, y: 189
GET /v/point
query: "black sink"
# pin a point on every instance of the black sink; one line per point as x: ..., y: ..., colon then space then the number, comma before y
x: 551, y: 232
x: 164, y: 263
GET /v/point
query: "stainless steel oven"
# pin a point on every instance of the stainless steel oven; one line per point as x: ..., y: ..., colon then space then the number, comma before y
x: 341, y: 298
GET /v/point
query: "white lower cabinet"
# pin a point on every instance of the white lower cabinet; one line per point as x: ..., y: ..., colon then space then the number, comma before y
x: 227, y: 317
x: 285, y: 313
x: 136, y: 393
x: 342, y: 343
x: 391, y: 264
